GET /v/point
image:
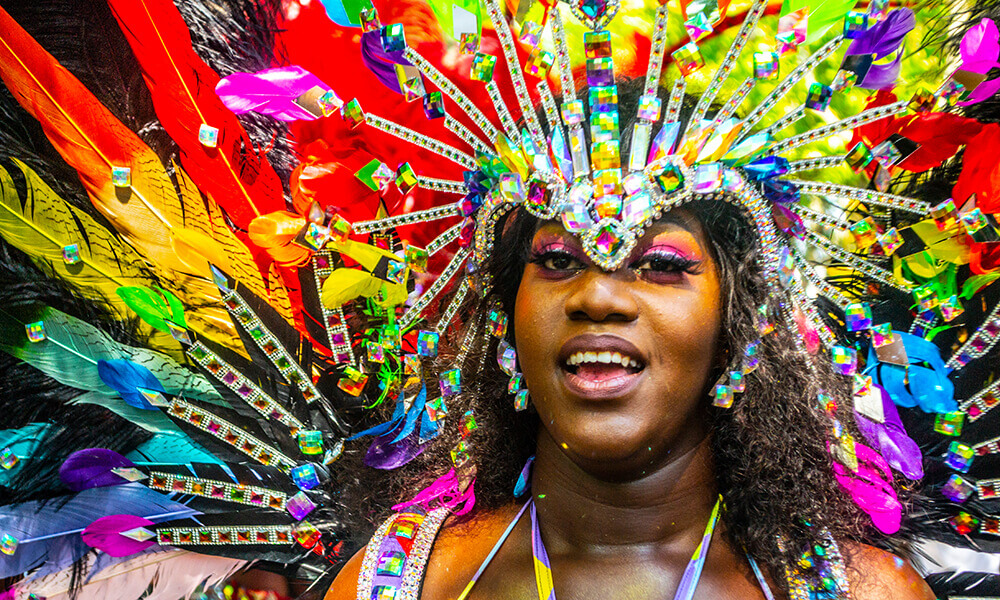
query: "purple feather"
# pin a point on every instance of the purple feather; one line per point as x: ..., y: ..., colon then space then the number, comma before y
x: 384, y: 454
x: 105, y: 535
x: 126, y: 377
x: 90, y: 468
x: 883, y: 39
x: 891, y: 439
x: 381, y: 63
x: 270, y: 92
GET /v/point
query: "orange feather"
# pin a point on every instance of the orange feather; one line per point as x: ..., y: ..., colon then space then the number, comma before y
x: 234, y: 174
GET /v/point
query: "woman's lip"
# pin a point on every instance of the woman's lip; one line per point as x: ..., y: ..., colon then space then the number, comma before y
x: 609, y: 388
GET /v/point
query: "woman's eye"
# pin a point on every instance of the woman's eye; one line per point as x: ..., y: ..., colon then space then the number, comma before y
x: 558, y: 261
x: 663, y: 263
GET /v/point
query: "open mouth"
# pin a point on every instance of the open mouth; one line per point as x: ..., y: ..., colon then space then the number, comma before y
x: 599, y: 371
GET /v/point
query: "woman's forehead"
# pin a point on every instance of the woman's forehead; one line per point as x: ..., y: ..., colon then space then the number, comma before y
x: 679, y: 220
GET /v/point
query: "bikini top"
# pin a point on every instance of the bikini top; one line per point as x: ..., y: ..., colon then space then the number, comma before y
x: 395, y: 562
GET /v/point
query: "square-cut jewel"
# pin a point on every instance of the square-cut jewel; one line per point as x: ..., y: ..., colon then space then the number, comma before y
x: 603, y: 99
x: 609, y: 206
x: 957, y: 489
x: 959, y: 456
x: 8, y: 460
x: 393, y: 38
x: 369, y: 19
x: 950, y: 308
x: 427, y: 343
x: 859, y: 316
x: 670, y: 179
x: 638, y: 209
x: 299, y: 506
x: 482, y: 67
x: 460, y: 454
x: 944, y: 214
x: 576, y: 216
x: 396, y: 271
x: 606, y: 155
x: 35, y: 331
x: 845, y: 360
x: 468, y: 43
x: 786, y: 267
x: 121, y: 177
x: 926, y: 298
x: 597, y: 44
x: 208, y: 136
x: 604, y: 126
x: 600, y: 72
x: 353, y: 382
x: 723, y: 396
x: 865, y: 233
x: 521, y: 400
x: 878, y: 9
x: 411, y: 82
x: 434, y: 105
x: 792, y: 29
x: 71, y: 254
x: 406, y: 179
x: 887, y: 153
x: 530, y: 33
x: 468, y: 424
x: 391, y: 563
x: 952, y: 92
x: 608, y: 239
x: 844, y: 80
x: 572, y: 112
x: 882, y: 335
x: 352, y: 113
x: 649, y: 108
x: 964, y: 523
x: 515, y: 383
x: 607, y: 182
x: 311, y: 442
x: 416, y: 258
x: 819, y: 96
x: 765, y: 65
x: 688, y: 59
x: 855, y: 23
x: 450, y: 382
x: 923, y: 100
x: 698, y: 26
x: 633, y: 183
x: 376, y: 352
x: 858, y: 157
x: 512, y: 187
x: 539, y: 63
x: 436, y: 409
x: 890, y: 241
x: 498, y: 322
x: 329, y: 103
x: 340, y: 229
x: 708, y: 178
x: 737, y: 381
x: 949, y: 423
x: 305, y: 476
x: 974, y: 220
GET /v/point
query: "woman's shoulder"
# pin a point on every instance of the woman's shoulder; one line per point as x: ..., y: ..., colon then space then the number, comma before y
x: 457, y: 551
x: 875, y: 574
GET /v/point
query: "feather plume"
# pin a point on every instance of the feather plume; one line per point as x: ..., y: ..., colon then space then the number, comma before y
x: 173, y: 574
x: 235, y: 175
x: 50, y: 530
x: 279, y: 295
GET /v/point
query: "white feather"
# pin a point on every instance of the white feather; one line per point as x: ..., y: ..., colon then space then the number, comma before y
x: 172, y: 574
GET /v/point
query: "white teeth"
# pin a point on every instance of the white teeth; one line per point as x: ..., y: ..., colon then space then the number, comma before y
x: 607, y: 358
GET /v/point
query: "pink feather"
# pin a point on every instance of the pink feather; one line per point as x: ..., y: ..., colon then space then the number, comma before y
x: 270, y: 92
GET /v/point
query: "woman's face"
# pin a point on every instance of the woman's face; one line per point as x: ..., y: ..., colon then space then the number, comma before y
x: 618, y: 363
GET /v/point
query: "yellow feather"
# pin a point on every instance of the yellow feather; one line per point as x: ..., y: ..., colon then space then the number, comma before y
x: 279, y: 299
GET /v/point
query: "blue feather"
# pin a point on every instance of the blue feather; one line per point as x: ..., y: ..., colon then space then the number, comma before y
x: 127, y: 378
x: 171, y: 448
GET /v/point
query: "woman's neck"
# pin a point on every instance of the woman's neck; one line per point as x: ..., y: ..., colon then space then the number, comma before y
x: 581, y: 512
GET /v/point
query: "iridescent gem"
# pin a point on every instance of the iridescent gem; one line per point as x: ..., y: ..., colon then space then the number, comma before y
x: 35, y: 331
x: 121, y: 177
x: 944, y: 214
x: 530, y: 33
x: 597, y: 44
x: 949, y: 423
x: 572, y: 112
x: 698, y: 26
x: 845, y: 360
x: 608, y: 206
x: 973, y: 221
x: 688, y: 59
x: 858, y: 157
x: 606, y: 155
x: 311, y: 442
x: 393, y: 38
x: 299, y: 506
x: 855, y: 23
x: 859, y: 316
x: 512, y: 188
x: 539, y: 63
x: 959, y: 456
x: 352, y: 113
x: 723, y: 396
x: 434, y: 105
x: 765, y: 65
x: 957, y: 489
x: 427, y: 343
x: 600, y: 71
x: 608, y: 240
x: 8, y: 544
x: 576, y: 216
x: 664, y: 141
x: 649, y: 108
x: 208, y: 136
x: 305, y: 476
x: 416, y: 258
x: 594, y: 9
x: 638, y: 209
x: 521, y: 400
x: 670, y: 179
x: 882, y: 335
x: 450, y: 382
x: 561, y: 156
x: 506, y: 357
x: 890, y: 241
x: 515, y: 383
x: 819, y: 97
x: 406, y: 179
x: 391, y: 563
x: 603, y: 98
x: 8, y: 460
x: 482, y: 67
x: 708, y: 178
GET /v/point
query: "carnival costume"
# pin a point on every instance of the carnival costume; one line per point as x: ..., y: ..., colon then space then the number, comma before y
x: 236, y: 321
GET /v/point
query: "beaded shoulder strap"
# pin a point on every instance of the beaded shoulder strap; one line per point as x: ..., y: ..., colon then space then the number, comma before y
x: 820, y: 574
x: 394, y: 562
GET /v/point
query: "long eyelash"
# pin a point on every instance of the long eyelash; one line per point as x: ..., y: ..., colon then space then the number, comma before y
x: 546, y: 252
x: 676, y: 261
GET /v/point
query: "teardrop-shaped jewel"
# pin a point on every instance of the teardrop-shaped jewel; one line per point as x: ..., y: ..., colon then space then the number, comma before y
x: 507, y: 358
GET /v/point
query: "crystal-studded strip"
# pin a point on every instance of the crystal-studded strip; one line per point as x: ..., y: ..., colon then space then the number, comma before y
x: 562, y: 56
x: 891, y: 201
x: 441, y: 185
x: 659, y: 43
x: 875, y: 272
x: 224, y: 535
x: 786, y: 120
x: 808, y: 306
x: 448, y: 88
x: 455, y: 126
x: 268, y: 344
x: 788, y: 82
x: 366, y: 576
x: 920, y: 325
x: 444, y: 239
x: 991, y: 446
x: 453, y: 306
x: 514, y: 68
x: 987, y: 490
x: 722, y: 73
x: 673, y: 111
x: 729, y: 108
x: 418, y: 216
x: 821, y: 284
x: 821, y: 133
x: 416, y: 561
x: 982, y: 401
x: 509, y: 126
x: 818, y: 217
x: 418, y: 139
x: 248, y: 495
x: 425, y: 299
x: 333, y: 318
x: 979, y: 343
x: 229, y: 434
x: 815, y: 164
x: 243, y: 387
x: 548, y: 105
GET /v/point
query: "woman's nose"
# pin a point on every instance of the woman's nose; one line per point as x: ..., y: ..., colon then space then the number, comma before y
x: 601, y: 296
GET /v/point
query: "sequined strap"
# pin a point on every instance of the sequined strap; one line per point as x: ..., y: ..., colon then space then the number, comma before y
x: 396, y: 556
x: 820, y: 574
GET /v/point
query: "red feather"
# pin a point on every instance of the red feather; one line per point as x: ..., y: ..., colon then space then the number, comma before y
x: 234, y: 174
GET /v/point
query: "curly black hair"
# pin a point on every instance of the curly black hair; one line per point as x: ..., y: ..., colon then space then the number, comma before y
x: 770, y: 449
